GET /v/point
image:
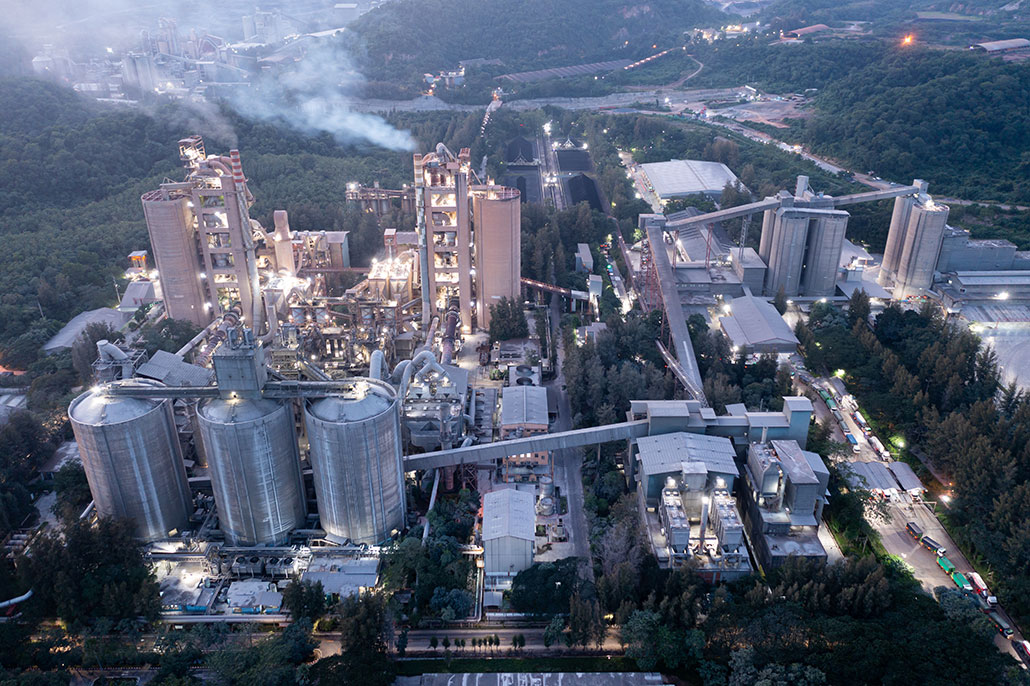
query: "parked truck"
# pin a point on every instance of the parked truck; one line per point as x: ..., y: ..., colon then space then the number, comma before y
x: 914, y: 530
x: 947, y: 565
x: 878, y: 447
x: 961, y: 581
x: 981, y: 589
x: 1003, y: 627
x: 933, y: 546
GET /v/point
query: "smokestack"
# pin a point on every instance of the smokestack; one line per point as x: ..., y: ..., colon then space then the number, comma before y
x: 257, y: 312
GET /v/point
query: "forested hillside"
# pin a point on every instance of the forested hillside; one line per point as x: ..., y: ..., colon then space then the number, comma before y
x: 960, y: 120
x: 406, y: 38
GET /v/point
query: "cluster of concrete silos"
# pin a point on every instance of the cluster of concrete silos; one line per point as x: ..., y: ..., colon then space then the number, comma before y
x: 134, y: 465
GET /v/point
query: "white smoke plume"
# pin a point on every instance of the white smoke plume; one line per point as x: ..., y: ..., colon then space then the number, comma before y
x: 314, y: 95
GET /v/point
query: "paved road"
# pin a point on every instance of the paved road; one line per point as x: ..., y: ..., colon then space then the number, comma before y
x: 418, y: 640
x: 895, y: 538
x: 568, y: 463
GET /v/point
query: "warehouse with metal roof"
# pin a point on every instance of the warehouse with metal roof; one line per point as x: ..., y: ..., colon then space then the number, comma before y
x: 754, y: 326
x: 670, y: 454
x: 872, y: 476
x: 906, y: 478
x: 509, y: 533
x: 1002, y: 45
x: 680, y: 178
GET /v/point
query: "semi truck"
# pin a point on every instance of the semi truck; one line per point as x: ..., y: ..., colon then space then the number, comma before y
x: 853, y: 441
x: 914, y: 530
x: 947, y: 565
x: 981, y: 589
x: 933, y: 546
x: 878, y: 447
x: 860, y: 420
x: 1003, y: 627
x: 961, y: 581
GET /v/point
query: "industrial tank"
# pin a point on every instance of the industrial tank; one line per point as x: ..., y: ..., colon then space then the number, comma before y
x: 251, y: 448
x: 131, y: 455
x: 356, y: 462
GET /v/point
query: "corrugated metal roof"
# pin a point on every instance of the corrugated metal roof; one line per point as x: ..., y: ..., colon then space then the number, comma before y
x: 171, y: 370
x: 523, y: 405
x: 1009, y: 44
x: 687, y: 177
x: 753, y: 321
x: 667, y: 452
x: 905, y: 476
x: 65, y: 338
x: 794, y: 462
x: 508, y: 512
x: 873, y: 476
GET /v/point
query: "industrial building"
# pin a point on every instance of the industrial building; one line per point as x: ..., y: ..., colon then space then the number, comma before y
x: 685, y: 481
x: 509, y: 535
x: 682, y: 178
x: 524, y: 413
x: 784, y: 492
x: 753, y: 326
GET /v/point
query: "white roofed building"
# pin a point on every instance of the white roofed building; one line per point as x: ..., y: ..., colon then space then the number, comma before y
x: 754, y: 326
x: 682, y: 178
x: 509, y: 533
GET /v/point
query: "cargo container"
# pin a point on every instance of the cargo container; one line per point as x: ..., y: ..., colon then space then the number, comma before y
x: 933, y: 546
x: 914, y: 530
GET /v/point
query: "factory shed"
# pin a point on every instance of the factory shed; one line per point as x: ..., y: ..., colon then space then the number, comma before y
x: 171, y: 370
x: 907, y: 478
x: 524, y: 405
x: 754, y: 326
x: 872, y: 476
x: 65, y: 338
x: 1003, y: 45
x: 343, y: 578
x: 666, y: 455
x: 509, y: 532
x: 680, y: 178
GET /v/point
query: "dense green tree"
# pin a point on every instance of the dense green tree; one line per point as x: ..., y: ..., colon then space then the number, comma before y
x: 305, y: 599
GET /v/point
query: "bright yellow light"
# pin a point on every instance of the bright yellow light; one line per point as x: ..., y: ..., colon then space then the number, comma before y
x: 839, y: 373
x: 908, y: 40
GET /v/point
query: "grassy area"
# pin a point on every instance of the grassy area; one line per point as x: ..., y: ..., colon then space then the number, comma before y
x: 521, y: 664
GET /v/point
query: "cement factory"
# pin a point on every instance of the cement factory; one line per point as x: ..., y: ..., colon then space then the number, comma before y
x: 285, y: 438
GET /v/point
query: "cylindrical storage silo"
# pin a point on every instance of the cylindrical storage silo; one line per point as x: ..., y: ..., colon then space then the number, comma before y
x: 355, y: 453
x: 130, y: 452
x: 251, y: 448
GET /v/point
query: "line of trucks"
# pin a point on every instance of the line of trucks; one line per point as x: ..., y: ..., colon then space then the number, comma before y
x: 838, y: 415
x: 973, y: 584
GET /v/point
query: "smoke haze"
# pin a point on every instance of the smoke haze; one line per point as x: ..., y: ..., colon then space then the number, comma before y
x: 312, y: 96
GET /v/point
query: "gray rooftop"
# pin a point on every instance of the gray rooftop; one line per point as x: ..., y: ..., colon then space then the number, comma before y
x: 667, y: 453
x: 999, y: 278
x: 905, y: 476
x: 171, y: 370
x: 508, y: 512
x: 873, y: 476
x: 65, y: 338
x: 794, y: 462
x: 687, y: 177
x: 523, y: 405
x: 753, y: 321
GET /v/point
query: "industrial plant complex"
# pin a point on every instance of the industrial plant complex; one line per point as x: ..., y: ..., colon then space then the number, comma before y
x: 285, y: 439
